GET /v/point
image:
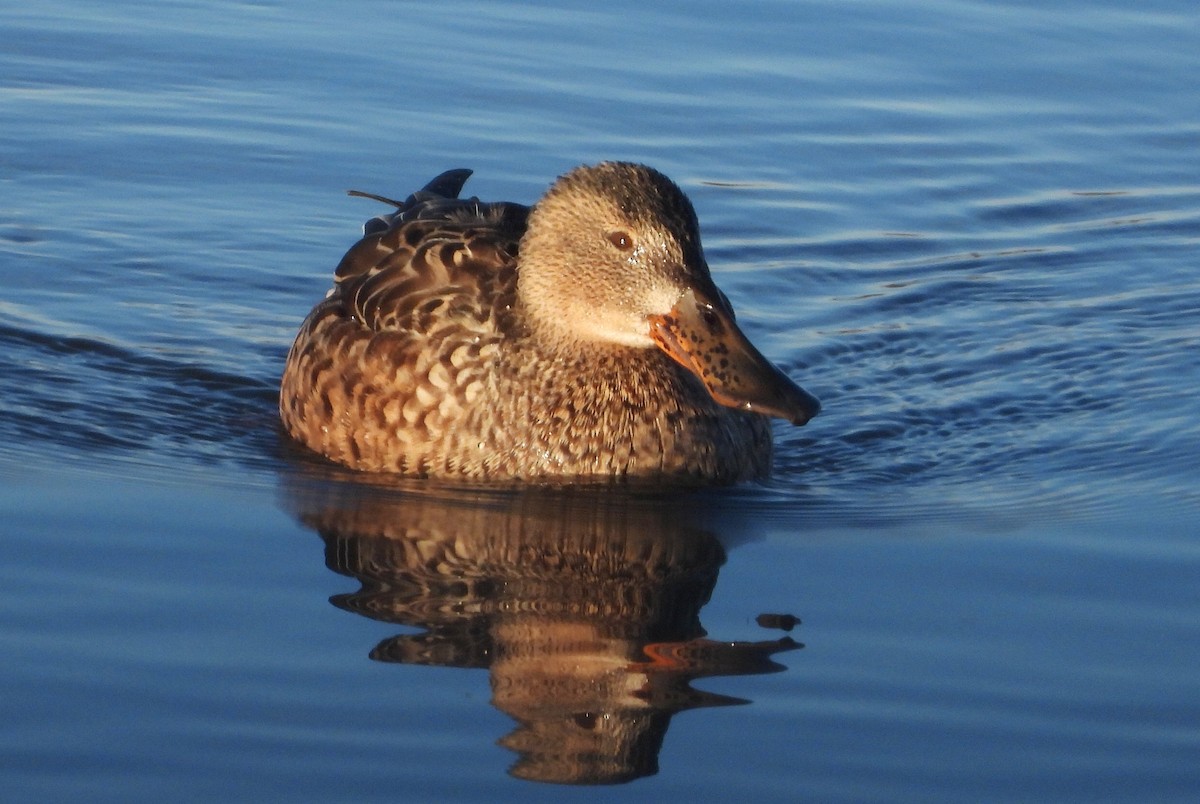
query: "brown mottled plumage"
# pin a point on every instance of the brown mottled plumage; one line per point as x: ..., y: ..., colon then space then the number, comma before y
x: 581, y: 338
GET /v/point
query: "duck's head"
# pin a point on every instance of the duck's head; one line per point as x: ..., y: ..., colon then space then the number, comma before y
x: 612, y: 256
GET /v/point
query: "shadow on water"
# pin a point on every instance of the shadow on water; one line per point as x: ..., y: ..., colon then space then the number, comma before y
x: 583, y: 606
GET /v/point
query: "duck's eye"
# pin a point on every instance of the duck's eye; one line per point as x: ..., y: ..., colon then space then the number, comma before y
x: 620, y: 239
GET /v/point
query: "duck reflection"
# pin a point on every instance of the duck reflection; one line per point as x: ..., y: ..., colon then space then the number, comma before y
x: 583, y: 606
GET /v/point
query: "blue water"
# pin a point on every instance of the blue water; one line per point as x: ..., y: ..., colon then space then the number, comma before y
x: 971, y: 229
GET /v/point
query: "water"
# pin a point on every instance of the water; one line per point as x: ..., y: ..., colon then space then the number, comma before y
x: 971, y: 229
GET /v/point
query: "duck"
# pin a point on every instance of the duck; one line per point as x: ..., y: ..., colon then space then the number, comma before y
x: 581, y: 339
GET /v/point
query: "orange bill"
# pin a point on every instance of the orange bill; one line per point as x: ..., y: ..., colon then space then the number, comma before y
x: 700, y: 334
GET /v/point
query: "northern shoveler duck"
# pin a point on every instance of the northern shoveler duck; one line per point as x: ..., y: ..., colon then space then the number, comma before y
x: 580, y: 338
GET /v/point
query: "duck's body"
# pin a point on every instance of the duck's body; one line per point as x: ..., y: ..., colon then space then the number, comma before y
x: 492, y: 341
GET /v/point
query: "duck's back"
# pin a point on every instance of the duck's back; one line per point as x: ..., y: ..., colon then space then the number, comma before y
x: 384, y: 369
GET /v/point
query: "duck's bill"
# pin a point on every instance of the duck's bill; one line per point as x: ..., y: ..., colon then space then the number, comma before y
x: 700, y: 335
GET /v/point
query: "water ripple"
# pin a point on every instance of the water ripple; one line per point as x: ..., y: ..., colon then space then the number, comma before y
x: 86, y: 399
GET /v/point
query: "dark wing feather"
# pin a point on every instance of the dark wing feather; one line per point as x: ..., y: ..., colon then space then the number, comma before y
x: 437, y: 259
x: 444, y: 186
